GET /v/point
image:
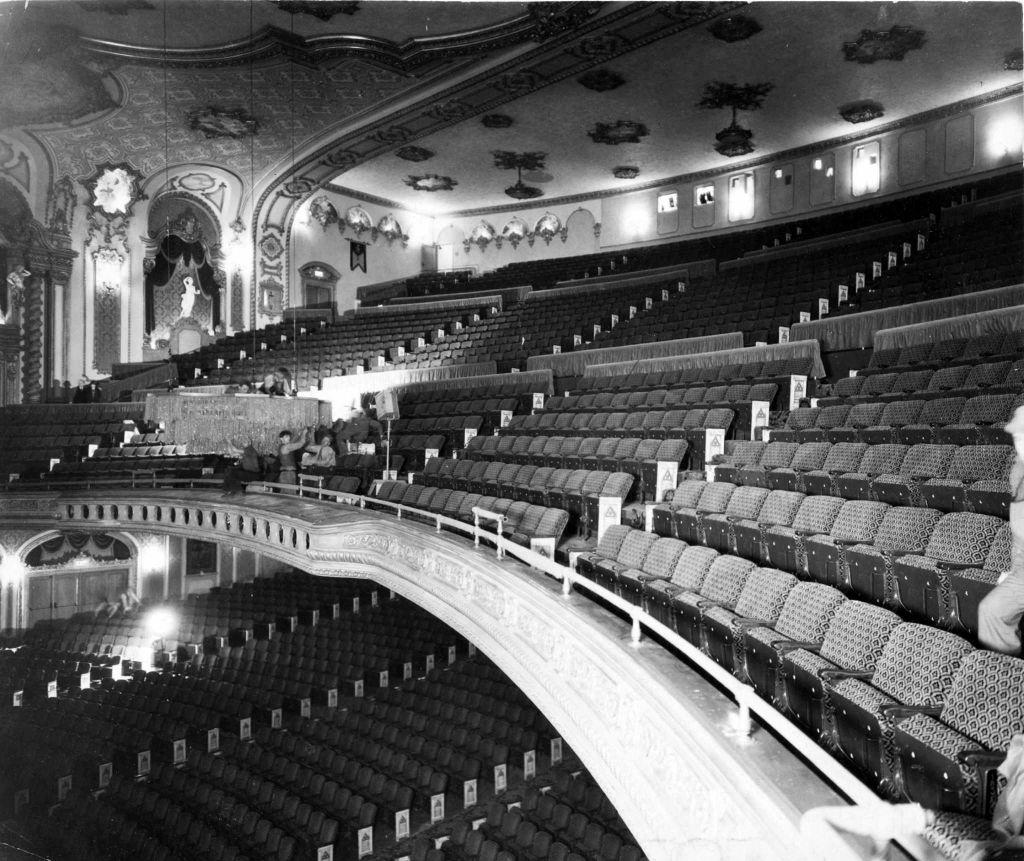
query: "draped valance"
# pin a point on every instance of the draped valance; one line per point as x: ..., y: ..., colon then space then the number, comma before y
x: 998, y: 321
x: 440, y: 305
x: 741, y: 356
x: 854, y: 331
x: 623, y: 279
x: 528, y: 381
x: 573, y: 364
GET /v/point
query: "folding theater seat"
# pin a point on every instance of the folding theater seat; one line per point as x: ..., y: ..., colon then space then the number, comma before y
x: 643, y: 465
x: 897, y: 414
x: 607, y: 549
x: 907, y: 384
x: 778, y: 509
x: 570, y: 448
x: 786, y: 544
x: 945, y: 380
x: 689, y: 573
x: 659, y: 564
x: 686, y: 495
x: 540, y: 522
x: 960, y: 541
x: 721, y: 587
x: 671, y: 425
x: 988, y: 375
x: 981, y: 421
x: 798, y: 421
x: 827, y: 419
x: 631, y: 555
x: 759, y: 603
x: 861, y: 416
x: 857, y: 523
x: 884, y: 459
x: 854, y: 642
x: 488, y: 483
x: 535, y: 489
x: 922, y: 463
x: 459, y: 470
x: 737, y: 455
x: 587, y: 452
x: 687, y: 523
x: 744, y: 505
x: 948, y: 761
x: 776, y: 455
x: 934, y: 415
x: 802, y: 623
x: 979, y: 470
x: 822, y: 479
x: 624, y: 450
x: 466, y: 480
x: 843, y: 391
x: 809, y: 457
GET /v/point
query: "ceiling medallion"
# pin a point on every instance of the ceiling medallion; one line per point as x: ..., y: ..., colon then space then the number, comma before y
x: 1014, y: 61
x: 431, y: 182
x: 414, y: 153
x: 496, y: 121
x: 624, y: 172
x: 113, y: 189
x: 322, y: 9
x: 216, y: 122
x: 601, y: 80
x: 521, y: 191
x: 520, y: 161
x: 735, y: 28
x: 342, y: 159
x: 891, y: 44
x: 862, y: 111
x: 734, y: 140
x: 623, y: 131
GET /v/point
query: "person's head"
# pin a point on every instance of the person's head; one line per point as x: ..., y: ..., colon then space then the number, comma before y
x: 83, y: 382
x: 326, y: 439
x: 285, y: 437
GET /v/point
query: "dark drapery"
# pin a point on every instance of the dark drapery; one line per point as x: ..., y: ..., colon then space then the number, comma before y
x: 176, y: 251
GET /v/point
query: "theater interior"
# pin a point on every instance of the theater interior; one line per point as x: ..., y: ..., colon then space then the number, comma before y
x: 564, y: 431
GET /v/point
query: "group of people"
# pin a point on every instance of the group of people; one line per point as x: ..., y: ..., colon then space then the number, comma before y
x: 87, y: 392
x: 313, y: 451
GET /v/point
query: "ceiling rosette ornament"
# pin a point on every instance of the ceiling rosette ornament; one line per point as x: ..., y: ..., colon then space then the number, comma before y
x: 734, y: 28
x: 892, y: 44
x: 601, y: 80
x: 114, y: 189
x: 430, y: 182
x: 216, y: 122
x: 862, y: 111
x: 620, y: 132
x: 322, y: 211
x: 520, y: 161
x: 414, y: 153
x: 496, y: 121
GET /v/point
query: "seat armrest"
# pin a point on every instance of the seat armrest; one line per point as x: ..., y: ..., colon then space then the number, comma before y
x: 783, y: 646
x: 732, y: 518
x: 899, y: 711
x: 806, y: 533
x: 846, y: 542
x: 745, y: 623
x: 647, y: 577
x: 707, y: 604
x: 829, y: 676
x: 901, y: 553
x: 954, y: 566
x: 982, y: 760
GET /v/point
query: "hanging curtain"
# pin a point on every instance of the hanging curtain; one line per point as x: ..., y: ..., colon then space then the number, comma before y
x: 182, y: 246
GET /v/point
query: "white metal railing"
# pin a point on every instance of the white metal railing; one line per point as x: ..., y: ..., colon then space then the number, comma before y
x: 748, y: 701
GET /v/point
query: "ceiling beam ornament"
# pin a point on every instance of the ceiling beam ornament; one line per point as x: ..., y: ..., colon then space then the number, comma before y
x: 891, y: 44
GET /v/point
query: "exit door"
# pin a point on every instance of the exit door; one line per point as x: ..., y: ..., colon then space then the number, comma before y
x: 60, y: 596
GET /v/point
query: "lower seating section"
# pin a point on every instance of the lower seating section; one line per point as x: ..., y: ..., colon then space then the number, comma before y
x: 285, y: 716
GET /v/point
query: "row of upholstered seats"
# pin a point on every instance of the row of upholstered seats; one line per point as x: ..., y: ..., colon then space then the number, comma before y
x: 461, y: 406
x: 959, y: 420
x: 946, y: 477
x: 935, y: 566
x: 181, y: 465
x: 899, y: 701
x: 995, y: 348
x: 655, y: 423
x: 944, y: 381
x: 522, y: 520
x: 447, y: 424
x: 666, y: 398
x: 727, y: 372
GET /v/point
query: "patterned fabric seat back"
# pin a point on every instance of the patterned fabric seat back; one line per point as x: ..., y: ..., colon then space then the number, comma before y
x: 899, y: 413
x: 542, y: 477
x: 848, y: 386
x: 552, y: 523
x: 808, y: 610
x: 833, y: 417
x: 626, y: 448
x: 552, y: 446
x: 905, y: 529
x: 989, y: 374
x: 945, y: 379
x: 673, y: 450
x: 736, y: 392
x: 927, y: 460
x: 802, y: 418
x: 571, y: 446
x: 504, y: 446
x: 538, y: 445
x: 720, y: 417
x: 858, y: 520
x: 694, y: 395
x: 998, y: 558
x: 636, y: 399
x: 948, y: 351
x: 817, y: 514
x: 914, y: 354
x: 617, y: 484
x: 606, y: 448
x: 715, y: 497
x: 843, y: 456
x: 941, y: 411
x: 530, y: 522
x: 987, y: 410
x: 673, y: 419
x: 980, y: 463
x: 810, y: 455
x: 715, y: 394
x: 1013, y: 343
x: 918, y: 664
x: 746, y: 502
x: 726, y: 579
x: 778, y: 455
x: 984, y: 345
x: 594, y: 482
x: 743, y: 452
x: 858, y: 634
x: 878, y: 384
x: 912, y: 381
x: 663, y: 556
x: 764, y: 594
x: 589, y: 446
x: 964, y: 538
x: 885, y: 459
x: 1015, y: 376
x: 884, y: 358
x: 780, y: 507
x: 694, y: 418
x: 865, y: 415
x: 763, y: 392
x: 986, y: 701
x: 692, y: 567
x: 611, y: 541
x: 635, y: 548
x: 522, y: 444
x: 656, y: 398
x: 646, y: 449
x: 574, y: 481
x: 687, y: 493
x: 526, y: 471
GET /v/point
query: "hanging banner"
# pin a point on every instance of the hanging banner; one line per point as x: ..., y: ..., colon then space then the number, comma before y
x: 920, y: 242
x: 876, y: 269
x: 714, y: 443
x: 356, y: 255
x: 609, y: 513
x: 805, y: 316
x: 859, y: 281
x: 906, y: 250
x: 892, y: 260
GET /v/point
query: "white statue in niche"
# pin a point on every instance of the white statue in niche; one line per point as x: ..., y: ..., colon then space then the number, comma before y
x: 188, y: 296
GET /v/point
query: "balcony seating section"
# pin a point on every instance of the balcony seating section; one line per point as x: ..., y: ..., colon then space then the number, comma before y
x: 31, y: 436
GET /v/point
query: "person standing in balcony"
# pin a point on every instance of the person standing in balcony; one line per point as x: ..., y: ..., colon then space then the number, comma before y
x: 1001, y: 610
x: 286, y: 456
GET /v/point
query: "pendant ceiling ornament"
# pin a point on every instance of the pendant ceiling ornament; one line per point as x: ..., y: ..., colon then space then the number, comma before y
x: 862, y: 111
x: 620, y: 132
x: 496, y: 121
x: 735, y: 28
x: 113, y: 189
x: 891, y: 44
x: 734, y: 140
x: 626, y: 172
x: 520, y: 161
x: 430, y: 182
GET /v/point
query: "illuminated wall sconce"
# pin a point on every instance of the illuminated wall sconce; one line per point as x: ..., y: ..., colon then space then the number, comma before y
x: 866, y: 171
x: 1005, y: 137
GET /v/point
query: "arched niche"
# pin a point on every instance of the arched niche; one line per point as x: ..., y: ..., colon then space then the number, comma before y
x: 580, y: 233
x: 318, y: 280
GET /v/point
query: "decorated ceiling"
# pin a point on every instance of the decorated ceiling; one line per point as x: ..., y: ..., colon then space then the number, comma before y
x: 409, y: 102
